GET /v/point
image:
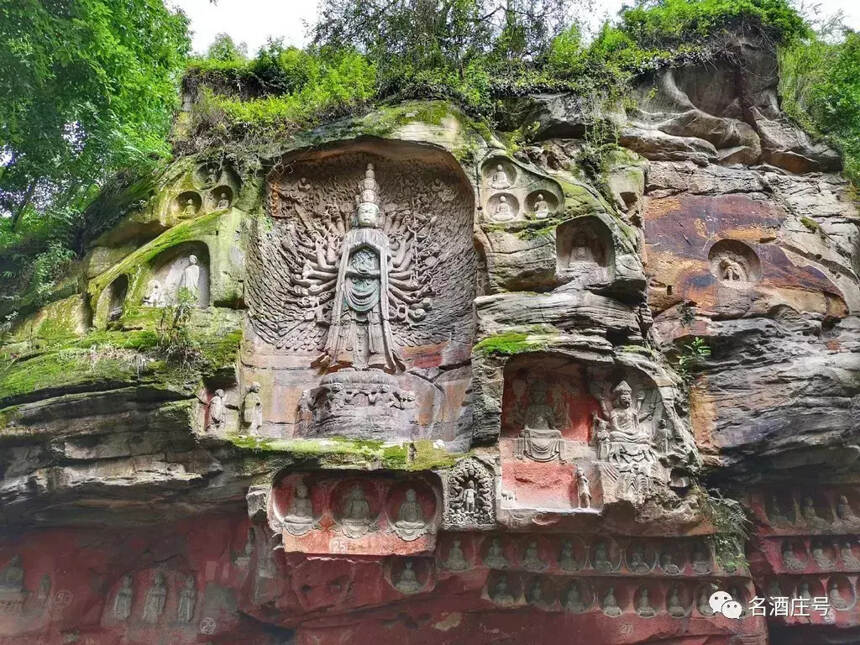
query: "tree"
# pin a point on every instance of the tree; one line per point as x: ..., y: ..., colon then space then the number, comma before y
x: 404, y: 36
x: 87, y: 87
x: 224, y: 49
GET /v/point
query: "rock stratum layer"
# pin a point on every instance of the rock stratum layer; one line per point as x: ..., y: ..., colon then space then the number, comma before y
x: 407, y: 384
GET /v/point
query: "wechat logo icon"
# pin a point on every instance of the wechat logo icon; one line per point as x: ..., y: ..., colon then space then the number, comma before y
x: 722, y: 603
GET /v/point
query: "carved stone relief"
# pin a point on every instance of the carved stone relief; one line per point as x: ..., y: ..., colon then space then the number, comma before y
x: 512, y: 193
x: 187, y: 204
x: 734, y: 263
x: 324, y: 513
x: 470, y: 496
x: 584, y: 251
x: 181, y: 271
x: 359, y: 281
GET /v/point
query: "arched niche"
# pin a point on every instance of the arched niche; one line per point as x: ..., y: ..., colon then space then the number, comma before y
x: 734, y: 263
x: 220, y: 198
x: 584, y: 250
x: 112, y: 301
x: 187, y: 204
x: 172, y: 271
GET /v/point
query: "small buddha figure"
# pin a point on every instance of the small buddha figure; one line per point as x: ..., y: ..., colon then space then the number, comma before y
x: 12, y: 575
x: 187, y: 600
x: 501, y: 594
x: 566, y: 559
x: 156, y: 597
x: 541, y: 207
x: 810, y: 514
x: 469, y: 498
x: 191, y: 276
x: 503, y: 211
x: 44, y: 593
x: 610, y: 605
x: 673, y: 604
x: 821, y: 558
x: 300, y: 518
x: 252, y: 409
x: 154, y: 296
x: 803, y: 591
x: 500, y: 178
x: 574, y: 601
x: 701, y: 562
x: 790, y: 559
x: 848, y: 556
x: 408, y: 582
x: 410, y: 517
x: 531, y: 558
x: 217, y: 411
x: 581, y: 249
x: 535, y: 594
x: 643, y: 607
x: 601, y: 557
x: 731, y: 270
x: 583, y: 489
x: 123, y: 600
x: 704, y: 604
x: 668, y: 565
x: 456, y: 560
x: 776, y: 514
x: 844, y: 510
x: 637, y: 562
x: 223, y: 201
x: 495, y: 558
x: 356, y: 513
x: 189, y: 209
x: 836, y: 599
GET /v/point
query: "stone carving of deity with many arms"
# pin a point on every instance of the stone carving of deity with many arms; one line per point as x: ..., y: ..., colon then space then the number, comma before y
x: 369, y: 282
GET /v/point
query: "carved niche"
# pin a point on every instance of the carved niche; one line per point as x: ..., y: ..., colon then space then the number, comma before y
x: 512, y: 193
x: 324, y: 513
x: 734, y: 263
x: 470, y: 496
x: 183, y: 269
x: 361, y: 281
x: 585, y: 251
x: 187, y: 204
x: 598, y: 434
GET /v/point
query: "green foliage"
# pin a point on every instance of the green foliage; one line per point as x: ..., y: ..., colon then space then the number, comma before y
x: 691, y: 357
x: 224, y: 50
x: 820, y: 89
x: 86, y: 88
x: 176, y: 343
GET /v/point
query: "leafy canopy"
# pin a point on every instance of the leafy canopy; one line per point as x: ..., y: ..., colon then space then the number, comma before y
x: 86, y: 87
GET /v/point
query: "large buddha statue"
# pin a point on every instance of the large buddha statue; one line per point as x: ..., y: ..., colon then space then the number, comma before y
x: 540, y: 440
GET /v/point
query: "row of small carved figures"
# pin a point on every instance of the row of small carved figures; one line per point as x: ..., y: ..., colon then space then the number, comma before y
x: 155, y: 599
x: 188, y: 203
x: 823, y: 553
x: 583, y: 595
x: 807, y: 513
x: 638, y: 559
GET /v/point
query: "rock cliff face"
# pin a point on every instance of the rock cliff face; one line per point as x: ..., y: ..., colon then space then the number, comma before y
x: 405, y: 383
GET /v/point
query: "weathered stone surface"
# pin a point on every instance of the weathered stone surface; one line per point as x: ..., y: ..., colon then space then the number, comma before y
x: 407, y: 384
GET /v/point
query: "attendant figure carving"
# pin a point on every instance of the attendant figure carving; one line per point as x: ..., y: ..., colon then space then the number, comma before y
x: 156, y: 597
x: 123, y: 599
x: 583, y: 489
x: 154, y: 296
x: 187, y: 600
x: 217, y: 411
x: 252, y: 409
x: 191, y: 277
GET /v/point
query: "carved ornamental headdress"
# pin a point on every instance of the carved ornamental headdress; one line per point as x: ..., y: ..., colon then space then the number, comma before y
x: 622, y: 387
x: 367, y: 201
